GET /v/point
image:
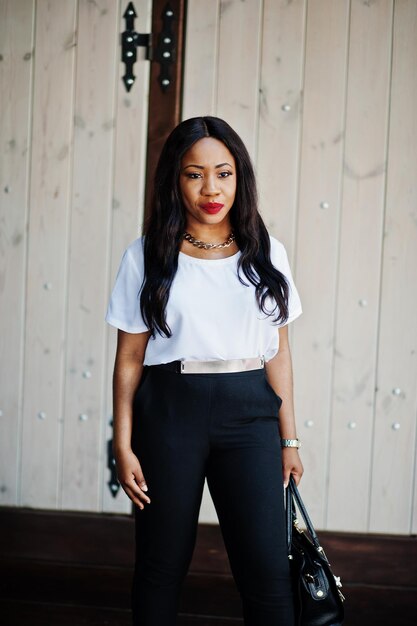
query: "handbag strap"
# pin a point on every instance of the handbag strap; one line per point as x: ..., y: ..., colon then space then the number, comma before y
x: 290, y: 516
x: 292, y: 497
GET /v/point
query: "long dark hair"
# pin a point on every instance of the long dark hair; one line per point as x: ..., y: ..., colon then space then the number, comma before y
x: 166, y: 223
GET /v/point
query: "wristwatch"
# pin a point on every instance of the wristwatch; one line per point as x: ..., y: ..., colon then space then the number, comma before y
x: 290, y: 443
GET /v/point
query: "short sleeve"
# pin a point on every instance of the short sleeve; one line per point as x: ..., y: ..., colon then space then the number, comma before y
x: 279, y: 259
x: 123, y: 309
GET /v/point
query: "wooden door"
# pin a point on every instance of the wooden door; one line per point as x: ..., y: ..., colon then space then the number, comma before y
x: 323, y: 93
x: 73, y: 166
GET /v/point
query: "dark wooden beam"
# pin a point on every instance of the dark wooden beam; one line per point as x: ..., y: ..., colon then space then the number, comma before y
x: 164, y: 107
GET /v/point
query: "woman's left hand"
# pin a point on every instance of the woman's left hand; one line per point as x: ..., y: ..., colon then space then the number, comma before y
x: 291, y: 464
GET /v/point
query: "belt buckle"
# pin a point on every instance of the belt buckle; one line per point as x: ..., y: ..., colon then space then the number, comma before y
x: 181, y: 364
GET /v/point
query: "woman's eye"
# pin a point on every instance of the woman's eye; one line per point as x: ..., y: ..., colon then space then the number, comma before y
x: 196, y: 175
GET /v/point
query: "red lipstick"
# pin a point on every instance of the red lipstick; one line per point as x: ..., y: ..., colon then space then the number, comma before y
x: 212, y: 207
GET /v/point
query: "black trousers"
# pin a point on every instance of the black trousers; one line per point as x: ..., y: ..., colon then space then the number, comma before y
x: 223, y: 426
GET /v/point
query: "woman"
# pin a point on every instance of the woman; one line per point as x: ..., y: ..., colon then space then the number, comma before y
x: 202, y: 302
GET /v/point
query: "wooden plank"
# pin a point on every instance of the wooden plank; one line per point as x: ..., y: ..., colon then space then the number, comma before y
x: 65, y: 537
x: 16, y: 67
x: 315, y: 266
x: 127, y: 205
x: 51, y: 562
x: 216, y: 82
x: 165, y: 107
x: 386, y: 606
x: 54, y: 582
x: 83, y: 449
x: 47, y: 253
x: 18, y: 613
x: 280, y: 114
x: 46, y: 535
x: 201, y: 58
x: 391, y: 504
x: 239, y: 68
x: 38, y: 614
x: 356, y: 328
x: 57, y: 583
x: 199, y: 89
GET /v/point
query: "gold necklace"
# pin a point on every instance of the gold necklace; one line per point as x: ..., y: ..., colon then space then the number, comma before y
x: 209, y: 246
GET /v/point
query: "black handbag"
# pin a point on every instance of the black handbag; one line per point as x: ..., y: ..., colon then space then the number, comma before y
x: 318, y: 600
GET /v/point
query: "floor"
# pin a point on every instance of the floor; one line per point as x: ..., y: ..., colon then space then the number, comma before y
x: 75, y: 569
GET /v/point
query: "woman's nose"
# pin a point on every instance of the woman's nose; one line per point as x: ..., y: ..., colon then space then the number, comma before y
x: 210, y: 186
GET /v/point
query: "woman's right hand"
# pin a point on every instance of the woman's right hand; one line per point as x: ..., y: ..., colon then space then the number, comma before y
x: 131, y: 478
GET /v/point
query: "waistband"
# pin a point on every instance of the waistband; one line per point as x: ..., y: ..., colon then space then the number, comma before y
x: 214, y: 366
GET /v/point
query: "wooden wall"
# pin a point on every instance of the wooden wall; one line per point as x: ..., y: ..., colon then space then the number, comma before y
x: 324, y: 93
x: 72, y: 163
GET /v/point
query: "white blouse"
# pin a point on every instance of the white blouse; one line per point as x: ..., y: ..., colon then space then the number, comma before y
x: 210, y: 313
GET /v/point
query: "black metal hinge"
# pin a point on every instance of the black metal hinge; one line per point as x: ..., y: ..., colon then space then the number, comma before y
x: 113, y: 482
x: 164, y: 53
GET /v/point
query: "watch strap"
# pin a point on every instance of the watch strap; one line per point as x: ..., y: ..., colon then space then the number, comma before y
x: 290, y: 443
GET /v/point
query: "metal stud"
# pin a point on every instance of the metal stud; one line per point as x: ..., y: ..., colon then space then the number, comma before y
x: 167, y: 39
x: 324, y: 205
x: 169, y: 13
x: 166, y: 55
x: 309, y: 423
x: 363, y: 302
x: 320, y: 593
x: 396, y: 391
x: 129, y: 54
x: 42, y: 415
x: 286, y: 107
x: 83, y: 417
x: 47, y: 286
x: 351, y: 425
x: 86, y: 374
x: 396, y: 426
